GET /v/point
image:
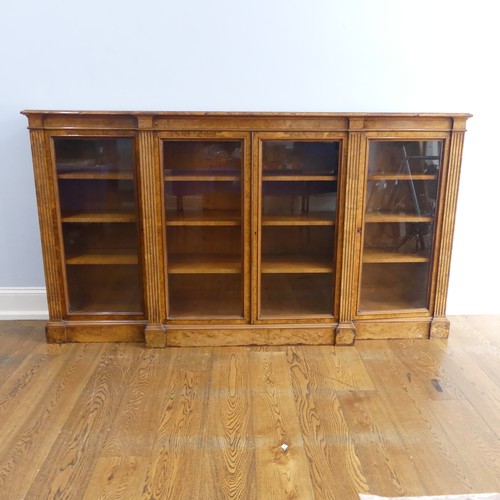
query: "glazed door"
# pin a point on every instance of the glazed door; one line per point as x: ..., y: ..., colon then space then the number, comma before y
x: 206, y: 213
x: 401, y: 196
x: 296, y: 214
x: 98, y: 206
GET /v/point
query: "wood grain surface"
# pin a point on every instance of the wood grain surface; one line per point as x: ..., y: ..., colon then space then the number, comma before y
x: 119, y: 421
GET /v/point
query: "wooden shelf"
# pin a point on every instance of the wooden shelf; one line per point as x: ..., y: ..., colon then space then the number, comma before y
x: 295, y: 178
x: 402, y: 177
x: 104, y: 257
x: 98, y: 217
x: 381, y: 255
x: 377, y: 305
x: 86, y: 175
x: 296, y: 264
x: 208, y: 218
x: 388, y: 217
x: 308, y: 219
x: 204, y: 264
x: 202, y: 178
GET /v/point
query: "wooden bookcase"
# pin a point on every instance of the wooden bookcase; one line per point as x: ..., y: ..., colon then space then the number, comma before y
x: 245, y: 228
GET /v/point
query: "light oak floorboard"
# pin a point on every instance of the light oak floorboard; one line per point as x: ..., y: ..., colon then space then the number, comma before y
x: 227, y: 455
x: 281, y: 460
x: 435, y: 457
x: 118, y: 421
x: 177, y: 446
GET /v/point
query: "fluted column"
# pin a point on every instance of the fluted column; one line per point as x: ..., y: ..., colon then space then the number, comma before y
x: 49, y: 231
x: 440, y: 325
x: 346, y: 331
x: 150, y: 191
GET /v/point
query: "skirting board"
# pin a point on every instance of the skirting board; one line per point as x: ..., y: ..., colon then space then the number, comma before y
x: 23, y: 303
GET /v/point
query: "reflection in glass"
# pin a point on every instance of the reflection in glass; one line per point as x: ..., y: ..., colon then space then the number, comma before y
x: 398, y: 238
x: 401, y: 198
x: 99, y: 224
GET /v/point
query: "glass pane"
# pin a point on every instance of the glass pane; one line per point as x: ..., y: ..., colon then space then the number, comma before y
x: 297, y: 294
x: 297, y: 270
x: 203, y: 193
x: 294, y: 247
x: 404, y: 157
x: 393, y: 286
x: 202, y: 157
x: 299, y: 200
x: 203, y: 201
x: 104, y: 288
x: 194, y: 295
x: 99, y: 224
x: 97, y: 156
x: 300, y: 157
x: 309, y: 200
x: 401, y: 197
x: 206, y: 248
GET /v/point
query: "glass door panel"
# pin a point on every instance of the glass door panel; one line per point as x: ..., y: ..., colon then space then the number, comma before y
x: 400, y: 207
x: 203, y: 198
x: 99, y: 224
x: 298, y: 216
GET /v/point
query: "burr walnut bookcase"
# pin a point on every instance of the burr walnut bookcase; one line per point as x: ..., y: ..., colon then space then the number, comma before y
x: 245, y: 228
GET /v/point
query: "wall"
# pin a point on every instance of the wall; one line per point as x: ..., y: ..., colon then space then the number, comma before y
x: 264, y: 55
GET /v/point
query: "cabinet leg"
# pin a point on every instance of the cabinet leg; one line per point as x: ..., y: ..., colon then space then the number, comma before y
x: 156, y: 336
x: 55, y: 333
x: 345, y: 334
x: 440, y: 328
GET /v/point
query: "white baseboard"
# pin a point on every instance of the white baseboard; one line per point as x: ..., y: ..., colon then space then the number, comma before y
x: 23, y: 303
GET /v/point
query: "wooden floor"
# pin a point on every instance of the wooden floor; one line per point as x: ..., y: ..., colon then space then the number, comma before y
x: 409, y: 417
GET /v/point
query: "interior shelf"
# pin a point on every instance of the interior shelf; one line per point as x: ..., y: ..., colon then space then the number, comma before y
x: 389, y: 217
x: 100, y: 217
x: 89, y: 175
x: 208, y: 218
x: 381, y: 255
x: 201, y: 178
x: 104, y: 257
x: 306, y: 219
x: 204, y: 264
x: 277, y: 264
x: 402, y: 177
x: 300, y: 177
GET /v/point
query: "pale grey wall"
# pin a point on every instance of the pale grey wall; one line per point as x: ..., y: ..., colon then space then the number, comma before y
x: 266, y: 55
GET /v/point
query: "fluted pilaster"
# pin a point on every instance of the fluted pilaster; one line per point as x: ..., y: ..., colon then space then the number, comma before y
x: 440, y: 325
x: 150, y: 189
x: 345, y: 332
x: 49, y: 228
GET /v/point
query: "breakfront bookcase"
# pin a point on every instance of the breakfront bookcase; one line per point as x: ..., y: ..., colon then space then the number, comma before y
x: 245, y: 228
